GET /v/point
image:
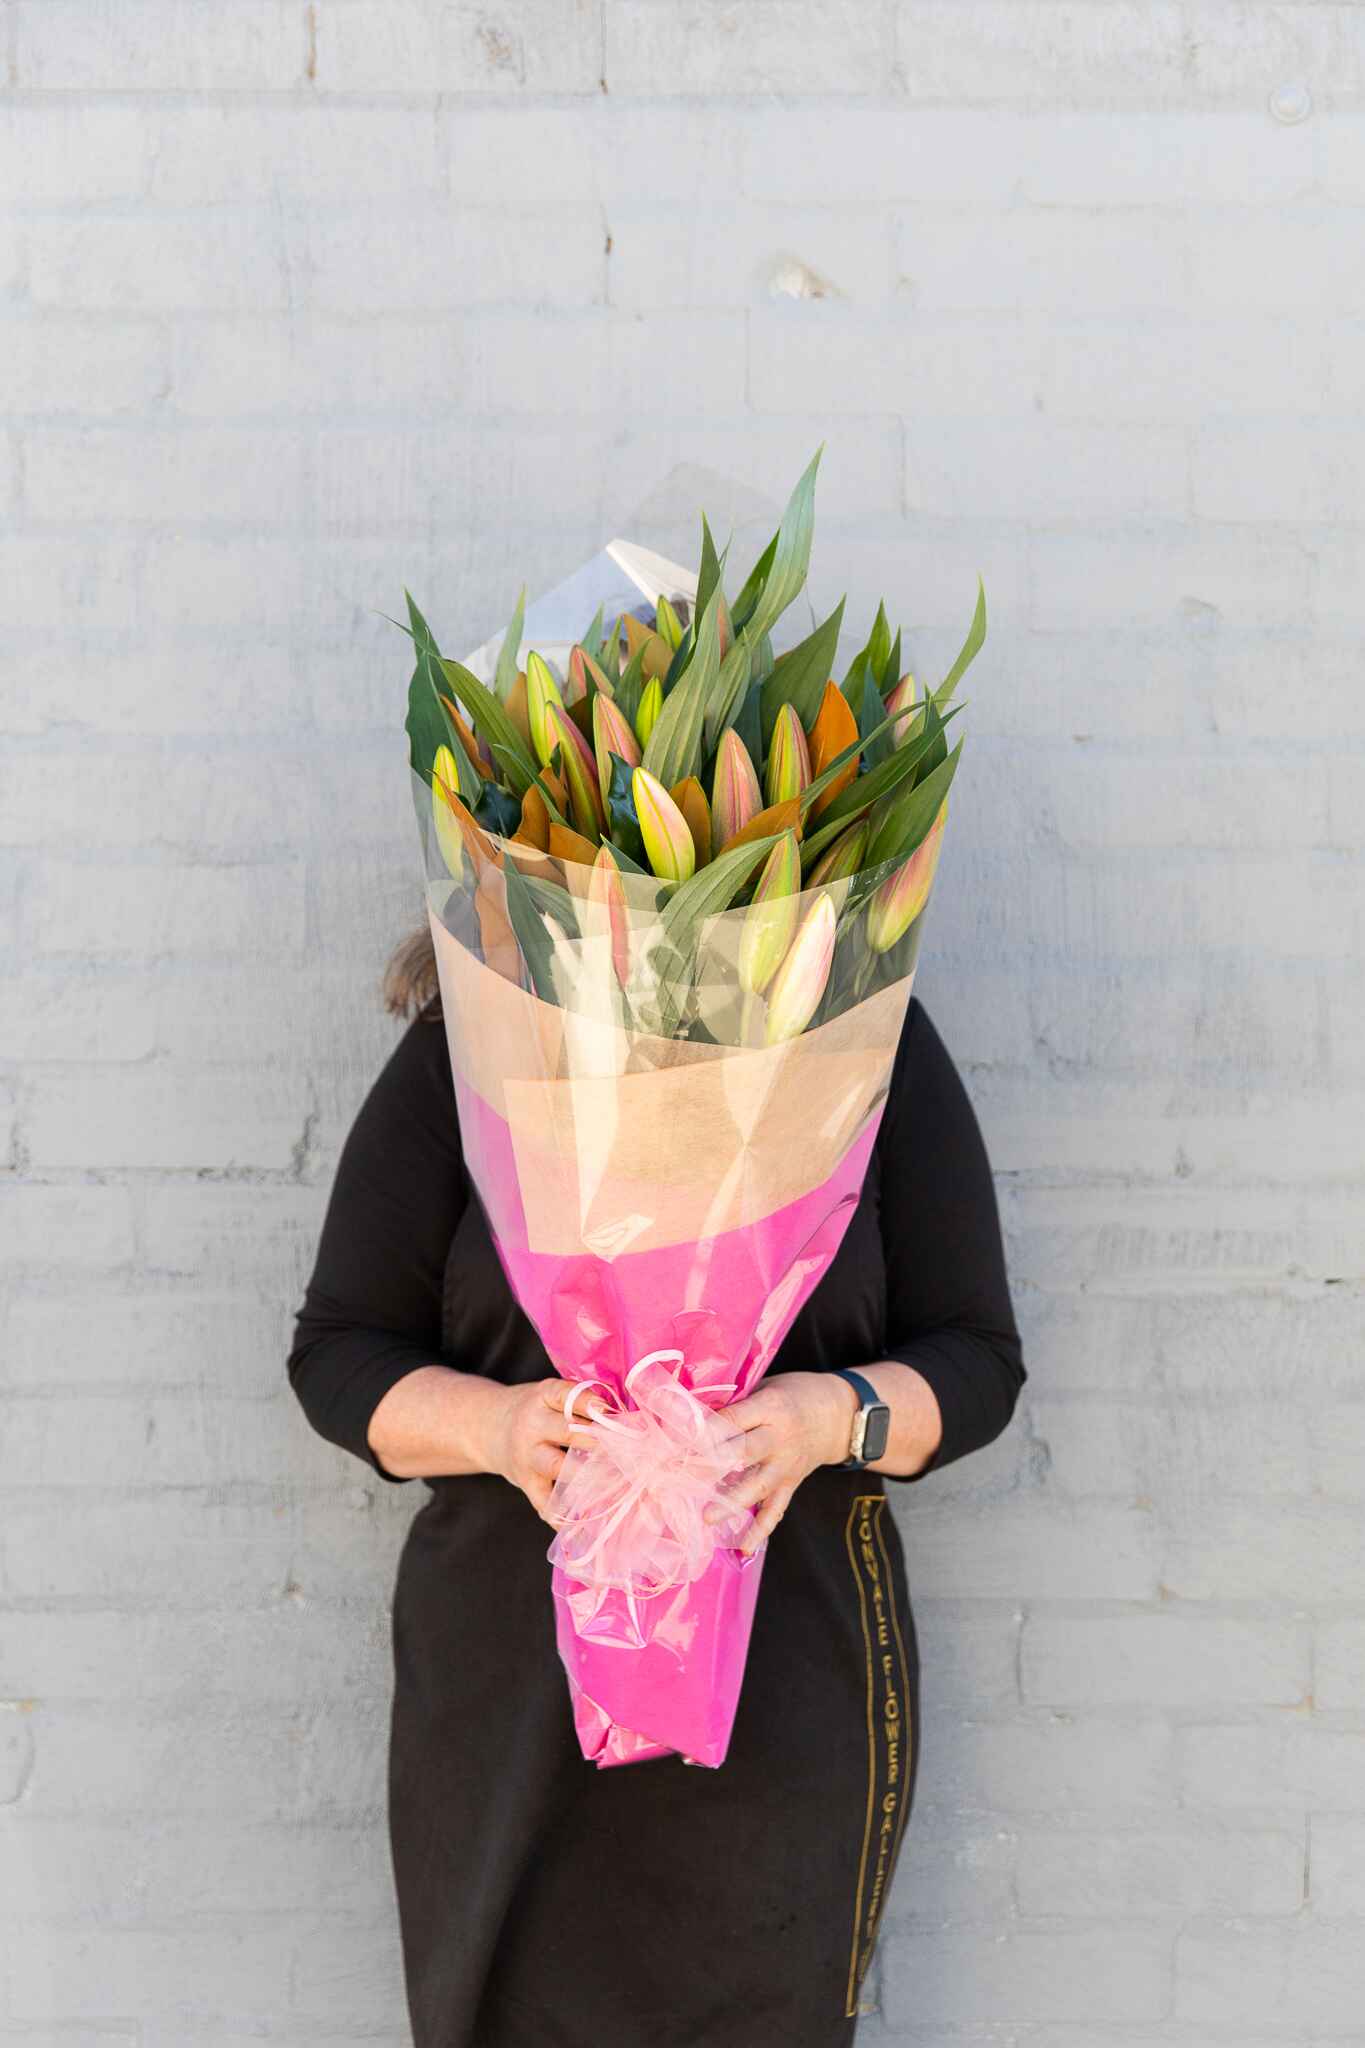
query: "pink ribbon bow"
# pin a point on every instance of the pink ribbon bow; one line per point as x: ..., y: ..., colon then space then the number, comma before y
x: 631, y: 1504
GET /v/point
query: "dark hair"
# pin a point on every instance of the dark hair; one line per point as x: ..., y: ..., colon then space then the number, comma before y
x: 410, y: 984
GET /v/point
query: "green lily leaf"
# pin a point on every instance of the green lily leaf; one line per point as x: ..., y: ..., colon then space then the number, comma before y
x: 625, y: 834
x: 864, y: 792
x: 971, y: 647
x: 592, y: 640
x: 786, y: 575
x: 537, y: 948
x: 931, y: 726
x: 553, y: 901
x: 428, y: 723
x: 878, y: 740
x: 891, y: 667
x: 629, y: 685
x: 714, y: 888
x: 910, y: 813
x: 505, y: 673
x: 708, y: 575
x: 492, y: 722
x: 798, y: 677
x: 674, y: 748
x: 747, y: 602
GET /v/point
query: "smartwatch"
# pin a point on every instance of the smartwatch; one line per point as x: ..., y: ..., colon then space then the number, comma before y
x: 871, y: 1424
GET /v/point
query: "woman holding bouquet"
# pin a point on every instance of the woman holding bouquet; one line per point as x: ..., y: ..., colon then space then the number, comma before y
x: 545, y: 1903
x: 686, y: 1148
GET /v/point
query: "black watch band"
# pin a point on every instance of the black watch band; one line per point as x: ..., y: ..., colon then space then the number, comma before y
x: 873, y: 1420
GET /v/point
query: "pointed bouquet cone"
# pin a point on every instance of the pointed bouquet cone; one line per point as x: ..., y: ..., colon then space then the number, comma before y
x: 672, y: 996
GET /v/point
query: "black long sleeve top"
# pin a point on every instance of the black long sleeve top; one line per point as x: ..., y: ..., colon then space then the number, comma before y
x: 920, y: 1276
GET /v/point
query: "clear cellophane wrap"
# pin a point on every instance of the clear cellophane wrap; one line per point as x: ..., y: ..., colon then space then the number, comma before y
x: 665, y: 1190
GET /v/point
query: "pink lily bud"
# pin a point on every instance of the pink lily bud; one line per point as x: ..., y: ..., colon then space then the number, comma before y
x: 579, y: 769
x: 735, y: 795
x: 903, y: 895
x: 903, y: 698
x: 650, y: 705
x: 541, y: 692
x: 668, y: 842
x: 771, y: 917
x: 582, y: 670
x: 612, y: 734
x: 788, y: 758
x: 840, y: 861
x: 608, y: 892
x: 800, y: 981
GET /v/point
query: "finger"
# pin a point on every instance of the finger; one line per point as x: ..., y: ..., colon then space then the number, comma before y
x: 752, y: 1412
x: 767, y: 1519
x: 754, y: 1484
x: 545, y: 1461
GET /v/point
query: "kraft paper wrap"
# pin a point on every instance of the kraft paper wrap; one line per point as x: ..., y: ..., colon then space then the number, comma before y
x: 647, y: 1142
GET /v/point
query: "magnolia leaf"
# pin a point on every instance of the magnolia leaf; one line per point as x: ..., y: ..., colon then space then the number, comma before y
x: 497, y: 809
x: 625, y: 835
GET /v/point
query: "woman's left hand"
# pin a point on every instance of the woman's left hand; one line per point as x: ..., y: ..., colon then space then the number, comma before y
x: 792, y: 1423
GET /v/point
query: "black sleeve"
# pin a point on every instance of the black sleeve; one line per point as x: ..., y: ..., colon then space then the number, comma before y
x: 948, y: 1302
x: 372, y: 1311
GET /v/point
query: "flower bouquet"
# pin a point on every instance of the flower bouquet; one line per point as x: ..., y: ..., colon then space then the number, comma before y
x: 676, y: 884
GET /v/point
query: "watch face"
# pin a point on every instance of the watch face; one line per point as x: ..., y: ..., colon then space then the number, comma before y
x: 876, y: 1432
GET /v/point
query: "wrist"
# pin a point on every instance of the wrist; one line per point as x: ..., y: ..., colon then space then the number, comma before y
x: 843, y: 1405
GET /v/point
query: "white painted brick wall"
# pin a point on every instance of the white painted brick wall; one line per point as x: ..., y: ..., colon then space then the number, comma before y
x: 300, y: 302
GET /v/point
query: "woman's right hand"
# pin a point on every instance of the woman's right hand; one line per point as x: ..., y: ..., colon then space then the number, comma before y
x: 527, y: 1434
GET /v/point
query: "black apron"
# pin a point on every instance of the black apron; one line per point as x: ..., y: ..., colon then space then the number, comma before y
x: 547, y: 1904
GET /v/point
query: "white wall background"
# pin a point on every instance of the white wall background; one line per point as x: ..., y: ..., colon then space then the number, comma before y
x: 298, y: 303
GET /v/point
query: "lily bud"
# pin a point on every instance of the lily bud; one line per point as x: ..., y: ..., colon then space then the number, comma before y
x: 608, y: 892
x: 835, y: 730
x: 445, y: 784
x: 651, y: 704
x: 903, y: 698
x: 770, y: 919
x: 667, y: 624
x: 611, y: 734
x: 668, y: 843
x: 841, y: 861
x: 690, y: 798
x: 735, y: 795
x: 800, y: 981
x: 903, y: 895
x: 788, y: 757
x: 541, y: 692
x: 582, y: 670
x: 579, y: 770
x: 654, y: 651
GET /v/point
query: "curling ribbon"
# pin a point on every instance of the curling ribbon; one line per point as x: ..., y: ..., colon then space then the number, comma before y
x: 631, y: 1503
